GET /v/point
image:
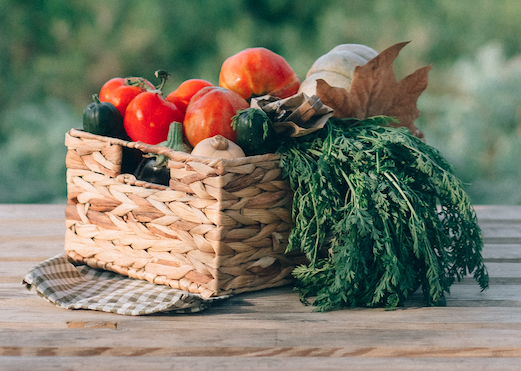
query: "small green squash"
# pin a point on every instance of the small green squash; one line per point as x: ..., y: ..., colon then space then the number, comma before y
x: 153, y: 168
x: 103, y: 118
x: 255, y: 132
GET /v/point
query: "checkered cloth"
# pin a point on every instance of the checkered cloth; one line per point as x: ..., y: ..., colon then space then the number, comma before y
x: 82, y: 287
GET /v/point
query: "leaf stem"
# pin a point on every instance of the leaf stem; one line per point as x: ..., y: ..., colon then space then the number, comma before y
x: 395, y: 184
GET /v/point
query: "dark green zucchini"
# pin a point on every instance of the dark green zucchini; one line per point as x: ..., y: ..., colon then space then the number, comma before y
x: 255, y: 132
x: 103, y: 118
x: 153, y: 168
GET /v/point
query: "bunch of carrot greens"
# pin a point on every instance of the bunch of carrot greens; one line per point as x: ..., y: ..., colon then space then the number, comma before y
x: 378, y: 213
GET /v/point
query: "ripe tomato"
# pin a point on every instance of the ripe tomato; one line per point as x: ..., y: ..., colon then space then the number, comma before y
x: 184, y: 92
x: 210, y: 112
x: 120, y: 91
x: 258, y: 71
x: 148, y: 118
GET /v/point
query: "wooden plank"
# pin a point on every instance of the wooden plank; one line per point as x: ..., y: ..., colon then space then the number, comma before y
x: 502, y: 231
x: 280, y: 351
x: 242, y: 310
x: 502, y: 252
x: 259, y: 308
x: 32, y: 211
x: 31, y: 233
x: 486, y: 213
x: 42, y: 363
x: 34, y: 239
x: 501, y: 269
x: 15, y: 230
x: 303, y: 335
x: 498, y: 293
x: 16, y: 268
x: 245, y: 311
x: 194, y: 328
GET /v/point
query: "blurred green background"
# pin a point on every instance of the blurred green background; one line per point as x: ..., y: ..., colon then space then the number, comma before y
x: 54, y: 54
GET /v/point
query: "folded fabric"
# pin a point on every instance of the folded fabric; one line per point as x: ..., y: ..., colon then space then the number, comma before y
x: 82, y: 287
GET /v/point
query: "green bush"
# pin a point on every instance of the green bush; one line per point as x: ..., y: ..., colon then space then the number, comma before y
x: 33, y: 159
x: 478, y: 125
x: 54, y: 54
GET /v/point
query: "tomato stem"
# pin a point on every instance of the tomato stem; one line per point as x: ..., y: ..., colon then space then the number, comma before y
x: 136, y: 81
x: 163, y: 75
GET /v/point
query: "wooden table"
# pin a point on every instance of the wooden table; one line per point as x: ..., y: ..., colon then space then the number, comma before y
x: 267, y: 330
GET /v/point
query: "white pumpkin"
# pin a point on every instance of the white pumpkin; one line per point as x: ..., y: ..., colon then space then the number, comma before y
x: 362, y: 50
x: 336, y: 67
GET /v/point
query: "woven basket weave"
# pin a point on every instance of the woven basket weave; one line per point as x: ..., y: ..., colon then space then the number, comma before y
x: 221, y: 226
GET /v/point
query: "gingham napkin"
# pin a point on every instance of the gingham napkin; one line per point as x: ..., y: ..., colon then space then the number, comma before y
x: 82, y: 287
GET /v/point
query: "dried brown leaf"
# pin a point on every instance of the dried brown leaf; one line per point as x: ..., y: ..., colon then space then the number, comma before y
x: 375, y: 91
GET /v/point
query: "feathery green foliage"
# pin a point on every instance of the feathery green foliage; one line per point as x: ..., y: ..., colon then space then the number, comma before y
x: 378, y: 214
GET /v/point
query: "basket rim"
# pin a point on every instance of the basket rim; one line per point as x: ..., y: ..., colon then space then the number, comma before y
x: 174, y: 155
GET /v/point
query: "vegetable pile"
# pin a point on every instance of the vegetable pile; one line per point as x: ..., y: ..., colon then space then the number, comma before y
x: 378, y: 212
x: 196, y: 111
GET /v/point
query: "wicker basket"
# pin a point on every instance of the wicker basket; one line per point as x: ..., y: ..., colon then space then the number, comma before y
x: 221, y: 226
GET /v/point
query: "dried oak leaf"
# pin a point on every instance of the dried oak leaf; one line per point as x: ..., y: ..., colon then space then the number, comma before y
x: 374, y: 91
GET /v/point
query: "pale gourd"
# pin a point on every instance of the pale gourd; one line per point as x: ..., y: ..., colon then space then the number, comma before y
x: 362, y: 50
x: 336, y: 67
x: 218, y: 147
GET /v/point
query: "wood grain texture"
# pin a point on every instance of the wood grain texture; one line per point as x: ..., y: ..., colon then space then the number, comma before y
x: 288, y: 352
x: 257, y: 363
x: 265, y: 330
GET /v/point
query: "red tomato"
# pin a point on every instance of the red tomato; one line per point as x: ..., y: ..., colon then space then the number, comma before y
x: 148, y: 118
x: 184, y: 92
x: 258, y: 71
x: 210, y: 112
x: 120, y: 91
